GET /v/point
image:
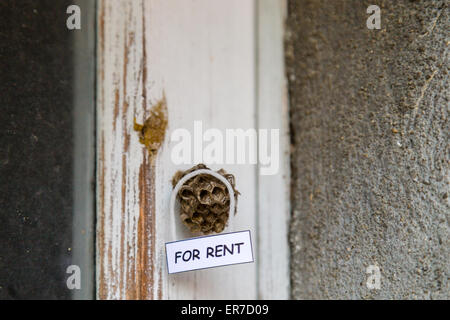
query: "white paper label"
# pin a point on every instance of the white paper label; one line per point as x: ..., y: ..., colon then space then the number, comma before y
x: 209, y: 251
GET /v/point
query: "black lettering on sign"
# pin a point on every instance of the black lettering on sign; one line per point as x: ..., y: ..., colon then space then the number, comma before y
x: 222, y: 250
x: 209, y: 252
x: 187, y: 255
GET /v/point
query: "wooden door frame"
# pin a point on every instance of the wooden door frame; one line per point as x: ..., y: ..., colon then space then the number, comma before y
x: 229, y: 71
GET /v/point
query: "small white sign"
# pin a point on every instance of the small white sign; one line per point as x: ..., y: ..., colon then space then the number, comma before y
x: 209, y: 251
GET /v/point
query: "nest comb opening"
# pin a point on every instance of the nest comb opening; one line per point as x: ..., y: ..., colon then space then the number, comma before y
x: 204, y: 200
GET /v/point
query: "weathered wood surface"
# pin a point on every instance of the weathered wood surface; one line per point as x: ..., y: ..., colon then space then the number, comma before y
x: 202, y: 56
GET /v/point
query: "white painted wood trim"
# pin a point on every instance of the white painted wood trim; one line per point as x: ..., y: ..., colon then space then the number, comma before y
x: 202, y: 56
x: 83, y: 233
x: 273, y: 190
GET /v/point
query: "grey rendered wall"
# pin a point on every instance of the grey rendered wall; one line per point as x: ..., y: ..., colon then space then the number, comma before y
x: 369, y: 118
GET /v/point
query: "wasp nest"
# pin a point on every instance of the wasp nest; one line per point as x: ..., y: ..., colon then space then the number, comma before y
x: 204, y: 200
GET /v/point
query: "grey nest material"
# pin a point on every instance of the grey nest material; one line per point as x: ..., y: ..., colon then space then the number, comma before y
x: 204, y: 200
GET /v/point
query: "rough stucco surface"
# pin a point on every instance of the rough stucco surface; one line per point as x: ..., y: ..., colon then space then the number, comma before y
x: 369, y: 118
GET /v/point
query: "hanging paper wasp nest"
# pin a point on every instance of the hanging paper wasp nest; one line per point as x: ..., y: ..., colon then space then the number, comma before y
x: 204, y: 200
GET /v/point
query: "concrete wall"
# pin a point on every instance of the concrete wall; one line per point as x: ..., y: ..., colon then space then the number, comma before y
x: 369, y: 118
